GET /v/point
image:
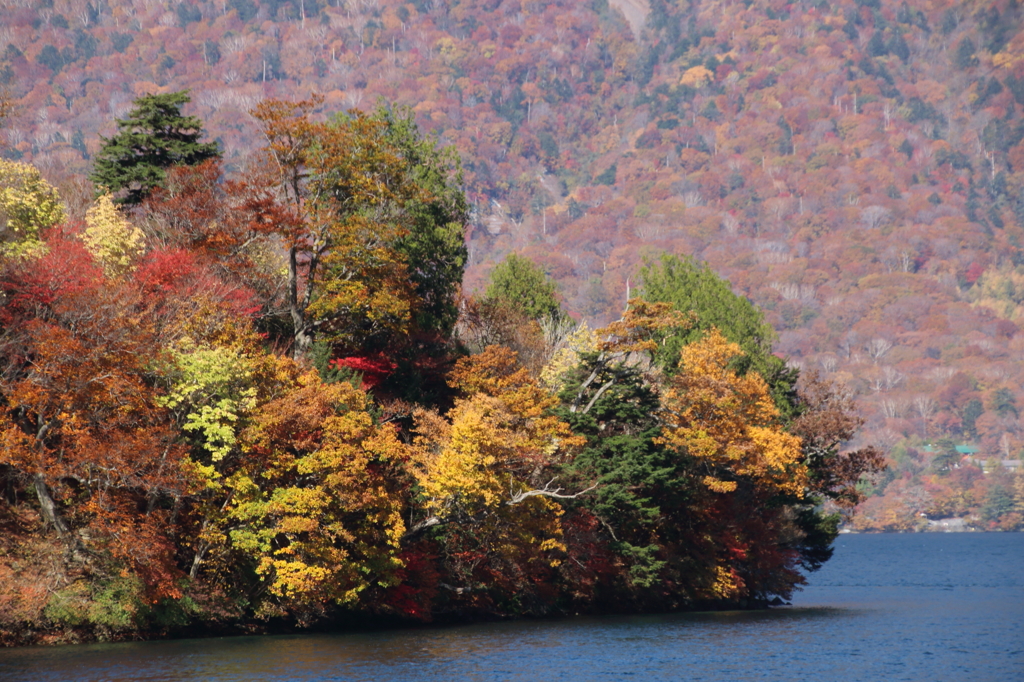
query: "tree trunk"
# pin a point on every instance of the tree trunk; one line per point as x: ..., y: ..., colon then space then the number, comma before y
x: 49, y: 507
x: 302, y: 340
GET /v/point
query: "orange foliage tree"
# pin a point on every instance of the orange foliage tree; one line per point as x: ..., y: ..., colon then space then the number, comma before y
x: 79, y: 424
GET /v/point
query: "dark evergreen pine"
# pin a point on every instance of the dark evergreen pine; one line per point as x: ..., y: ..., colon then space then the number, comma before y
x: 965, y: 56
x: 154, y: 137
x: 786, y: 141
x: 898, y: 46
x: 877, y: 46
x: 973, y: 202
x: 1004, y: 403
x: 969, y: 417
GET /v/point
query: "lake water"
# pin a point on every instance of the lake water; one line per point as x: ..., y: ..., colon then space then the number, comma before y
x: 887, y: 607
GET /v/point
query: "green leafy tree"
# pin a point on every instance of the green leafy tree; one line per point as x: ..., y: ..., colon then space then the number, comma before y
x: 692, y: 287
x: 946, y: 456
x: 998, y: 501
x: 898, y: 46
x: 517, y: 282
x: 153, y: 138
x: 607, y: 177
x: 433, y: 247
x: 211, y: 393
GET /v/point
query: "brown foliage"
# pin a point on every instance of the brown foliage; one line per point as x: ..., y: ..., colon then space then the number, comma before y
x: 495, y: 323
x: 830, y: 419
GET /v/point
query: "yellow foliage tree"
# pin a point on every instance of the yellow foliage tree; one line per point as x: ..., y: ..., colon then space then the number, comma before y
x: 111, y: 238
x: 567, y: 356
x: 696, y: 77
x: 28, y: 205
x: 1001, y: 291
x: 486, y: 468
x: 628, y: 346
x: 317, y: 501
x: 729, y: 423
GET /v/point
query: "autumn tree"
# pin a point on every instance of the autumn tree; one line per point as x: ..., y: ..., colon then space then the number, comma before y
x: 827, y: 421
x: 489, y: 481
x: 80, y: 424
x: 29, y: 206
x: 693, y: 287
x: 731, y: 427
x: 373, y: 226
x: 153, y: 138
x: 225, y: 224
x: 111, y: 238
x: 189, y: 210
x: 316, y: 505
x: 484, y: 323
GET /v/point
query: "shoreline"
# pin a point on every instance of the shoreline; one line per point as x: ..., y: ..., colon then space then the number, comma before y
x: 347, y: 624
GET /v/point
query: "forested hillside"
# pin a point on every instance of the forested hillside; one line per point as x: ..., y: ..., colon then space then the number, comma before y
x: 854, y: 168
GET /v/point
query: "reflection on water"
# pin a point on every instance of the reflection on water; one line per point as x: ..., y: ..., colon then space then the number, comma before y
x: 886, y: 608
x: 650, y: 647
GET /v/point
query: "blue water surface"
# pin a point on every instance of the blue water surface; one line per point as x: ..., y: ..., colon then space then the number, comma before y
x: 887, y: 607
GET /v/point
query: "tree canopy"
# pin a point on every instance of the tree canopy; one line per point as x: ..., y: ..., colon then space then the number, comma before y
x: 517, y: 282
x: 29, y: 205
x: 153, y: 137
x: 372, y: 217
x: 165, y: 463
x: 838, y: 248
x: 693, y: 287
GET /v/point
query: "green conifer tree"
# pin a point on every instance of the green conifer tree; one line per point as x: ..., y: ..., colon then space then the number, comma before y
x: 877, y: 46
x: 154, y: 137
x: 965, y: 56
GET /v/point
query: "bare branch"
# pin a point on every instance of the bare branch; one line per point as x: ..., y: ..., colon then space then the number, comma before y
x: 611, y: 531
x: 546, y: 491
x: 423, y: 525
x: 456, y: 590
x: 583, y: 387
